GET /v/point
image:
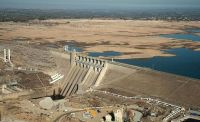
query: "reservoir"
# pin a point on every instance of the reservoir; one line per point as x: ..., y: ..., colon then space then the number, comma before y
x: 189, y: 35
x: 186, y: 36
x: 104, y: 54
x: 185, y: 63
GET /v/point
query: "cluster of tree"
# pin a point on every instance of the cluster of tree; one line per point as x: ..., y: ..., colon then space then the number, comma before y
x: 24, y: 15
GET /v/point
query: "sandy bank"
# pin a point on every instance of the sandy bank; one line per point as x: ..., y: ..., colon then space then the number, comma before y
x: 134, y: 38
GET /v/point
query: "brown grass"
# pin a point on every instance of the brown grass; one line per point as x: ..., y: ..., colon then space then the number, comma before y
x: 138, y: 38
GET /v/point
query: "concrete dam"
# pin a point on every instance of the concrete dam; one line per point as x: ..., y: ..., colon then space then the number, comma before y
x: 83, y: 73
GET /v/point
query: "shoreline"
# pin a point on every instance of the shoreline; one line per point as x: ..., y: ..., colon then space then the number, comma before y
x: 133, y: 38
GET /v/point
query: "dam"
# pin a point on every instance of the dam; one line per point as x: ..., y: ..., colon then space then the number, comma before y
x: 83, y: 73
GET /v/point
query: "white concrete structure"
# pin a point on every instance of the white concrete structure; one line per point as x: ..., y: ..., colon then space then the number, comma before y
x: 66, y: 48
x: 108, y: 118
x: 119, y: 115
x: 7, y: 56
x: 172, y: 114
x: 3, y: 87
x: 56, y: 77
x: 85, y: 73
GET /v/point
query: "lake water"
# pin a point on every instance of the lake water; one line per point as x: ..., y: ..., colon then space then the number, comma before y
x: 105, y: 54
x: 186, y: 36
x: 193, y: 30
x: 186, y: 62
x: 189, y: 35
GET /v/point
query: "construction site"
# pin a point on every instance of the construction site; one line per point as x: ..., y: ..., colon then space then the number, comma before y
x: 42, y: 83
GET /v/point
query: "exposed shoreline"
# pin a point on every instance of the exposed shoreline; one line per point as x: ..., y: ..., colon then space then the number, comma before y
x: 132, y: 38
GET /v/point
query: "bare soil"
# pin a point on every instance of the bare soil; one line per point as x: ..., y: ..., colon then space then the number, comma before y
x: 133, y: 38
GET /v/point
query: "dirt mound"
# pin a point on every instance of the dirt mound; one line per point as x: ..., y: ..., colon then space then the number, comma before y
x: 2, y: 65
x: 46, y: 103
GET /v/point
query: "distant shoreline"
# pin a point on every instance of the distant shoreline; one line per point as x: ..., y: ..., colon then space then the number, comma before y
x: 24, y: 15
x: 132, y: 38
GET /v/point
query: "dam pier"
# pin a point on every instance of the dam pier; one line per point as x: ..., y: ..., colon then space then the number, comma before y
x: 85, y: 73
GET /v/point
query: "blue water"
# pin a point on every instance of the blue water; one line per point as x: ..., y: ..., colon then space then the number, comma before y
x: 186, y: 36
x: 186, y: 62
x: 72, y: 47
x: 104, y: 54
x: 193, y: 30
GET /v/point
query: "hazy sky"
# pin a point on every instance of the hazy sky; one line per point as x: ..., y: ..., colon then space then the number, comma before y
x: 96, y: 4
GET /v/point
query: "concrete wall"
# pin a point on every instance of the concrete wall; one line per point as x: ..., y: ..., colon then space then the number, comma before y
x: 84, y: 73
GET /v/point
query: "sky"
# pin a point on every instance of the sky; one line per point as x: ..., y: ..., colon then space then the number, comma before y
x: 96, y: 4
